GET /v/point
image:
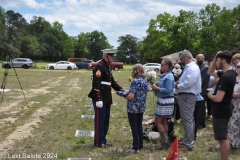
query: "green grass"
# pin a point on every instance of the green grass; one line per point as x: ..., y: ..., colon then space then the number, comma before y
x: 56, y: 99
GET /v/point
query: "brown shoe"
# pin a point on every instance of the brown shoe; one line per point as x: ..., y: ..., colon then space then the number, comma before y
x: 180, y: 143
x: 183, y: 148
x: 161, y: 146
x: 180, y: 140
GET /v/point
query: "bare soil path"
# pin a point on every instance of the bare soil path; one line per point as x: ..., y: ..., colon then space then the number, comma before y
x: 11, y: 112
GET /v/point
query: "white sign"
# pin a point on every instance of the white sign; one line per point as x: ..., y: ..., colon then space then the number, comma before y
x: 80, y: 133
x: 88, y: 116
x: 79, y: 158
x: 153, y: 134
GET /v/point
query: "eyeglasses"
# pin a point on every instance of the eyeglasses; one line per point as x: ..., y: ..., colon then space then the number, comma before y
x: 237, y: 67
x: 181, y: 58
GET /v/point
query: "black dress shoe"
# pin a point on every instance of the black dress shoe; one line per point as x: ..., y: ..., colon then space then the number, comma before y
x: 102, y: 146
x: 108, y: 144
x: 105, y: 145
x: 201, y: 126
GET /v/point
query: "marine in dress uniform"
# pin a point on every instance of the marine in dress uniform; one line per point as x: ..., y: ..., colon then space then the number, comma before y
x: 101, y: 95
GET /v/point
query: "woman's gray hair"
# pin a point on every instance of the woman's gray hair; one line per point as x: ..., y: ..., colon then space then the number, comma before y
x: 186, y: 53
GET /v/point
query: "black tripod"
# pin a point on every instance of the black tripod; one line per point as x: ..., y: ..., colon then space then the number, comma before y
x: 9, y: 58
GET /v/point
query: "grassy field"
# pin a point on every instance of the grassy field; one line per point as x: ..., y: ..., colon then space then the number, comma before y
x: 45, y: 123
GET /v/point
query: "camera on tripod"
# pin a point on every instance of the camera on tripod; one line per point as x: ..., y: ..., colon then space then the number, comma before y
x: 9, y: 57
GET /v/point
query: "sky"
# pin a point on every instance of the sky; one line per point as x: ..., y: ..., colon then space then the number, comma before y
x: 114, y: 18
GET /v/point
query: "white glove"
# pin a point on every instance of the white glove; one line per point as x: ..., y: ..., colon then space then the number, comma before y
x: 99, y: 104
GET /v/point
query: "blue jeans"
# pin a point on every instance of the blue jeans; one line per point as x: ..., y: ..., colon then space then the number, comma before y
x: 135, y: 121
x: 101, y: 123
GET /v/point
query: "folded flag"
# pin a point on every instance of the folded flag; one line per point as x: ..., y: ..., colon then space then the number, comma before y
x: 122, y: 93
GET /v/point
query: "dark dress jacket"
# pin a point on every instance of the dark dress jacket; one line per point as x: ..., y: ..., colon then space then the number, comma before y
x: 205, y: 78
x: 102, y: 83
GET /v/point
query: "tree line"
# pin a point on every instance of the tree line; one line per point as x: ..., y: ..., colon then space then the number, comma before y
x: 212, y: 29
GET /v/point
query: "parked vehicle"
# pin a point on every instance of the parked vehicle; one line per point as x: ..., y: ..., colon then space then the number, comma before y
x: 62, y: 65
x: 83, y: 64
x: 152, y: 66
x: 24, y: 63
x: 115, y: 65
x: 74, y: 60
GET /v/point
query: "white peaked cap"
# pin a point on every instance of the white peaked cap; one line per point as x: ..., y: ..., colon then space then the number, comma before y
x: 109, y: 51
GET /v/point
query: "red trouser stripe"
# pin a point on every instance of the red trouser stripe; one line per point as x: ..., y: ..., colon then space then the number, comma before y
x: 96, y: 129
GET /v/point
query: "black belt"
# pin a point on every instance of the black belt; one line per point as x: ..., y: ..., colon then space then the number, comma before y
x: 185, y: 93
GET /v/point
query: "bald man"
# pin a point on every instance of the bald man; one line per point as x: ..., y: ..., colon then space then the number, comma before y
x: 205, y: 80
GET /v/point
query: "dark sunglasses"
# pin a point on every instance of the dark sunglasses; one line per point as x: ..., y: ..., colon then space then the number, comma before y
x: 237, y: 66
x: 181, y: 58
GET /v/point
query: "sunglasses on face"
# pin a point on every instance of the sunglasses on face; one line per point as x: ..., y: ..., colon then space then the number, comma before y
x: 181, y: 58
x: 237, y: 66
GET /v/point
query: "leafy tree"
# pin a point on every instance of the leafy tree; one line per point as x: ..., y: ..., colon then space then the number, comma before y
x: 81, y: 46
x: 51, y: 39
x: 38, y: 26
x: 226, y: 29
x: 159, y: 37
x: 12, y: 28
x: 128, y: 49
x: 97, y: 42
x: 68, y: 47
x: 30, y: 47
x: 2, y: 31
x: 185, y: 32
x: 236, y: 15
x: 169, y: 34
x: 16, y: 27
x: 219, y: 30
x: 2, y: 24
x: 208, y: 34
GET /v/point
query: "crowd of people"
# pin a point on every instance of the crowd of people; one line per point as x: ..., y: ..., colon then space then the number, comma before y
x: 199, y: 86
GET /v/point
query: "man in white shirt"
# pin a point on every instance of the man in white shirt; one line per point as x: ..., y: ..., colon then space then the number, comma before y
x: 189, y: 85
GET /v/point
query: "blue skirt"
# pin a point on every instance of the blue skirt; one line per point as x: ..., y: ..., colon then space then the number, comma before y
x: 164, y: 107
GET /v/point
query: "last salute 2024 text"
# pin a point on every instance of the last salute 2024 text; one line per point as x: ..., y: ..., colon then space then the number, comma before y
x: 32, y: 155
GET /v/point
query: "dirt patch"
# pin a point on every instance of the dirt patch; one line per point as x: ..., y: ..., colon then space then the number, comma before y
x: 40, y: 90
x: 25, y: 130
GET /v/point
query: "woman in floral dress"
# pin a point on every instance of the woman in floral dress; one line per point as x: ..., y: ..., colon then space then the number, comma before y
x: 234, y: 122
x: 136, y: 106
